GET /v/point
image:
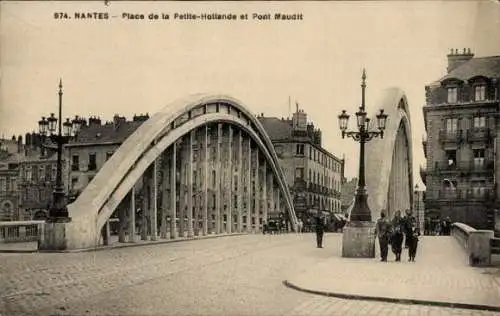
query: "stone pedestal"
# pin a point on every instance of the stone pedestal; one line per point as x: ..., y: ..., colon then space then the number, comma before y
x: 479, y: 248
x: 54, y: 236
x: 358, y: 240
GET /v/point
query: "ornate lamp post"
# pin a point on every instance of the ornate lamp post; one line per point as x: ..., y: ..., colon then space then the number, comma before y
x: 361, y: 211
x: 58, y: 211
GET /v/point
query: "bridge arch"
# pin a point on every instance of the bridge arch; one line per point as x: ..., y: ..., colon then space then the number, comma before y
x: 389, y: 164
x: 121, y: 172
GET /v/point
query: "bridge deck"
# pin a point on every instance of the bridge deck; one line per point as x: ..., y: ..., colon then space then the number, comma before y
x: 440, y: 274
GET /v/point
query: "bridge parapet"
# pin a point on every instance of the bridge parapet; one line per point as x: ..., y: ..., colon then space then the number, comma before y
x: 480, y: 245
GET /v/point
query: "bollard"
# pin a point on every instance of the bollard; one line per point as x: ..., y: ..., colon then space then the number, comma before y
x: 479, y: 248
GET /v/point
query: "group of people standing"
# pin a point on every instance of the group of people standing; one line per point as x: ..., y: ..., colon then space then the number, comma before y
x: 393, y: 232
x: 437, y: 227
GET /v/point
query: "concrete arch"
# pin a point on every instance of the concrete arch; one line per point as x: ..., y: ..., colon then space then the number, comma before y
x: 97, y: 202
x: 383, y: 166
x: 389, y: 165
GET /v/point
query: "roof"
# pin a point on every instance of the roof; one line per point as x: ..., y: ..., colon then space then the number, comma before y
x: 276, y: 128
x: 483, y: 66
x: 107, y: 133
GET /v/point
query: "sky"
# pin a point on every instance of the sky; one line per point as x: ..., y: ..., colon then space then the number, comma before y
x: 137, y: 66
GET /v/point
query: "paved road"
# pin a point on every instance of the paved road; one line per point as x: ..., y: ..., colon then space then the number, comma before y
x: 238, y: 275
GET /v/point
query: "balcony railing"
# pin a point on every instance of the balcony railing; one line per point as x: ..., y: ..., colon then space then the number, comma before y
x: 484, y: 166
x: 444, y: 166
x: 479, y: 134
x: 450, y: 136
x: 474, y: 194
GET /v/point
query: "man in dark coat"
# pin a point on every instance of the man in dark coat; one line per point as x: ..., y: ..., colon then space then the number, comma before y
x: 383, y: 232
x: 320, y: 230
x: 408, y: 223
x: 397, y: 235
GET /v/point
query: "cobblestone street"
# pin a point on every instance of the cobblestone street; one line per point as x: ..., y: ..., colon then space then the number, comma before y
x: 238, y: 275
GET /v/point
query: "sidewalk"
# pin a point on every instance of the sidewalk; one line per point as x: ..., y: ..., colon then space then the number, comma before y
x: 440, y: 276
x: 30, y: 247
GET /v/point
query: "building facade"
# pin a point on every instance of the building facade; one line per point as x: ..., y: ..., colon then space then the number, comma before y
x: 313, y: 174
x: 461, y: 122
x: 10, y: 152
x: 93, y: 145
x: 37, y: 176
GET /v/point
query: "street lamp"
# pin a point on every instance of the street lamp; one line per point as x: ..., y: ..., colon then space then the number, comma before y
x: 360, y: 211
x: 58, y: 211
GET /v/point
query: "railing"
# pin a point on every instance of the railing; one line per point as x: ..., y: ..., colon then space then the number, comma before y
x: 450, y: 136
x: 480, y: 194
x: 21, y: 231
x: 479, y: 134
x: 480, y: 245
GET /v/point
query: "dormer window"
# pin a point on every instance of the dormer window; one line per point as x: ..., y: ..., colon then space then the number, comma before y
x: 452, y: 95
x: 480, y: 93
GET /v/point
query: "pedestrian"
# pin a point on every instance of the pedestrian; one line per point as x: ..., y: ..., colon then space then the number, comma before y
x: 397, y: 235
x: 413, y: 243
x: 382, y: 231
x: 408, y: 222
x: 320, y: 230
x: 427, y: 226
x: 300, y: 225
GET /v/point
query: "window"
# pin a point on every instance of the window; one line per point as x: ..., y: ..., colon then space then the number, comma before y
x: 41, y: 172
x: 214, y: 176
x: 108, y: 155
x: 235, y: 183
x: 74, y: 181
x: 309, y: 179
x: 300, y: 149
x: 479, y: 122
x: 299, y: 173
x: 478, y: 188
x: 478, y: 158
x: 75, y: 163
x: 92, y: 162
x: 452, y: 95
x: 35, y: 173
x: 47, y: 173
x: 480, y: 93
x: 310, y: 153
x: 451, y: 125
x: 279, y: 150
x: 451, y: 156
x: 29, y: 176
x: 3, y: 185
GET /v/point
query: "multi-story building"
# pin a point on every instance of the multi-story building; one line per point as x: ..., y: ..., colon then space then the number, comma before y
x: 461, y: 124
x: 93, y: 145
x: 37, y: 176
x: 419, y: 207
x: 313, y: 174
x: 10, y: 152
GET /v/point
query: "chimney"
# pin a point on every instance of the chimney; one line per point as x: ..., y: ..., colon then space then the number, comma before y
x: 33, y: 140
x: 27, y: 138
x: 456, y: 59
x: 94, y: 121
x: 19, y: 144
